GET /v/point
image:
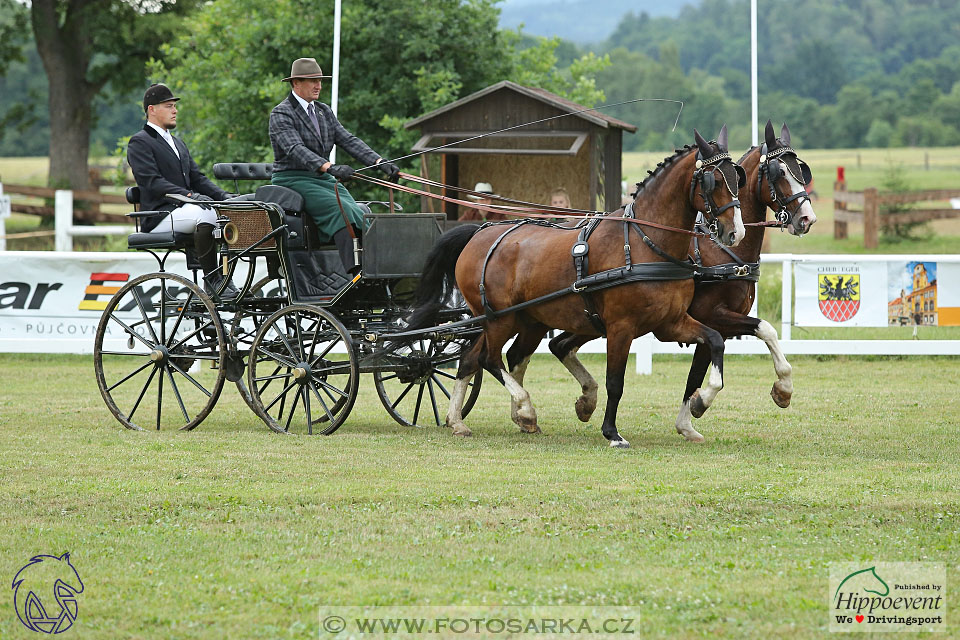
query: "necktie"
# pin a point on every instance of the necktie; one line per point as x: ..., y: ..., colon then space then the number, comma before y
x: 312, y: 112
x: 169, y: 138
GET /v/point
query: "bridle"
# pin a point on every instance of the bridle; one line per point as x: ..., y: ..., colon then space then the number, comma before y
x: 773, y: 168
x: 705, y: 177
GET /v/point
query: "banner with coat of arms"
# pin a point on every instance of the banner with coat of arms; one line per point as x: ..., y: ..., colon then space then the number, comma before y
x: 848, y: 294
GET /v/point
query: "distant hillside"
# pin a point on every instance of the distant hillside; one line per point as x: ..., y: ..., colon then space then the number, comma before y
x: 581, y: 21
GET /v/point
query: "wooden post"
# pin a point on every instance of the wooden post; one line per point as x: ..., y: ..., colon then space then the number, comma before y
x: 839, y: 228
x: 870, y: 214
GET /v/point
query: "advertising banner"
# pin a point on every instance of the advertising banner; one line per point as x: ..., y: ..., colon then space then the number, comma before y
x: 831, y: 294
x: 51, y: 302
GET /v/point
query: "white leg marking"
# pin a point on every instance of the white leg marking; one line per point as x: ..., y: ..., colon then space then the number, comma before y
x: 525, y: 416
x: 714, y: 384
x: 455, y: 412
x: 518, y: 372
x: 587, y: 402
x: 685, y: 424
x: 768, y: 334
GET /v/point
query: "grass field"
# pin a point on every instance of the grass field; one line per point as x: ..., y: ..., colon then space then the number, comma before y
x: 233, y: 532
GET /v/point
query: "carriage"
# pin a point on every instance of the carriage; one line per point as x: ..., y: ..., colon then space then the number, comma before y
x: 300, y: 334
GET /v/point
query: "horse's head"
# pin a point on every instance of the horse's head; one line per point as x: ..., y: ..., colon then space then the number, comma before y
x: 713, y: 190
x: 781, y: 179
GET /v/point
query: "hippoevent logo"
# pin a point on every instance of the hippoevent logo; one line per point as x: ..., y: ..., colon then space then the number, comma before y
x: 893, y: 596
x: 45, y: 594
x: 839, y: 295
x: 98, y: 287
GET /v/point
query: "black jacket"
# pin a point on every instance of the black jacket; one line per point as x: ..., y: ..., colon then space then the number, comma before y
x: 158, y: 172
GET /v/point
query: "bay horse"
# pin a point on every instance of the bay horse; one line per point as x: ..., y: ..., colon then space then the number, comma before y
x: 501, y: 265
x: 775, y: 180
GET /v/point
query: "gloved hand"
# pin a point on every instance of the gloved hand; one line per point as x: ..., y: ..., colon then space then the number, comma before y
x: 342, y: 172
x: 199, y: 197
x: 389, y: 168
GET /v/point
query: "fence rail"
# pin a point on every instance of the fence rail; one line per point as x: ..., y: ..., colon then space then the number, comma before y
x: 871, y: 202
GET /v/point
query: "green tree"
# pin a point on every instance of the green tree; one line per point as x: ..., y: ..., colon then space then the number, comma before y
x: 392, y: 68
x: 86, y: 47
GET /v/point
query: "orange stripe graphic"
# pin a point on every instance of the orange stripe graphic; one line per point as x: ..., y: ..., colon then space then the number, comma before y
x: 93, y: 288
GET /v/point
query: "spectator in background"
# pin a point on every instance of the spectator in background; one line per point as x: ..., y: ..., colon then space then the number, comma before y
x: 560, y: 198
x: 479, y: 215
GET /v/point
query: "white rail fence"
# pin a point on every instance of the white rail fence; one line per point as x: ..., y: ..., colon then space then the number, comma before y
x: 645, y: 347
x: 65, y: 230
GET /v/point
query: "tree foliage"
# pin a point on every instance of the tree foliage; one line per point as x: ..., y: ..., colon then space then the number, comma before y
x: 399, y: 59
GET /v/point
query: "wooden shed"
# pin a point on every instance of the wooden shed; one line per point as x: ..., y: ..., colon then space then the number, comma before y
x: 580, y: 153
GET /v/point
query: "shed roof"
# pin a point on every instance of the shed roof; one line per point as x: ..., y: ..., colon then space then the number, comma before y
x: 542, y: 95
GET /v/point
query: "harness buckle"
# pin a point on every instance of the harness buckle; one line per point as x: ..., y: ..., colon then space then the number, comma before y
x: 576, y: 289
x: 741, y: 270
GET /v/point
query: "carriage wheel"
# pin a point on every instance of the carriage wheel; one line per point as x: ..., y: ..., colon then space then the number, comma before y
x: 417, y: 393
x: 260, y: 286
x: 302, y: 372
x: 152, y: 332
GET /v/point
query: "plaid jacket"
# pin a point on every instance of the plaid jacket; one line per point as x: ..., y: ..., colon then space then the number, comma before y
x: 296, y: 145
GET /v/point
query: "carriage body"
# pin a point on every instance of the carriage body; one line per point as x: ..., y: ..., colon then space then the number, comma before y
x: 296, y: 339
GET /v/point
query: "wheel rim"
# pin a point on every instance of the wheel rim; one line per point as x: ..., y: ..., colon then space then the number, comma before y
x: 302, y: 371
x: 151, y: 333
x: 243, y: 339
x: 417, y: 393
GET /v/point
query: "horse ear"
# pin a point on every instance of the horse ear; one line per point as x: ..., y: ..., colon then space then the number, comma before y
x: 770, y: 136
x: 722, y: 138
x: 702, y: 144
x: 785, y: 134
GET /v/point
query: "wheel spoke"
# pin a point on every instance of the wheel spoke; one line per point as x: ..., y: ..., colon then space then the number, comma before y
x: 143, y: 313
x: 390, y: 377
x: 445, y: 374
x: 293, y: 409
x: 176, y: 392
x: 123, y: 353
x: 276, y: 356
x: 271, y: 379
x: 159, y: 399
x: 130, y: 331
x: 324, y: 353
x: 397, y: 401
x: 433, y: 402
x: 281, y: 395
x: 416, y: 411
x: 206, y: 324
x: 323, y: 404
x: 142, y: 392
x: 183, y: 311
x: 440, y: 384
x: 306, y: 408
x: 189, y: 377
x: 130, y: 375
x: 327, y: 385
x: 283, y: 338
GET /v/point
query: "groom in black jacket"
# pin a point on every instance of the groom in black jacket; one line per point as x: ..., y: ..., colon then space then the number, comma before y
x: 162, y: 164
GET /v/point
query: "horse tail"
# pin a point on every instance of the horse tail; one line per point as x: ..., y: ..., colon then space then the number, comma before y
x: 438, y: 280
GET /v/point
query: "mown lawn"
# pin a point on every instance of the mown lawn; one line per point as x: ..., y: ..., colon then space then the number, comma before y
x: 233, y: 532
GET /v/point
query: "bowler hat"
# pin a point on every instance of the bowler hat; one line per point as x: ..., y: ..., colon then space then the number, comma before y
x: 157, y: 94
x: 305, y: 68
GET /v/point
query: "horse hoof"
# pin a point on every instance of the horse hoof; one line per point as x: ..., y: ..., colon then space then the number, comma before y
x: 697, y: 408
x: 693, y: 436
x: 529, y: 426
x: 619, y: 443
x: 585, y: 408
x: 462, y: 430
x: 780, y: 395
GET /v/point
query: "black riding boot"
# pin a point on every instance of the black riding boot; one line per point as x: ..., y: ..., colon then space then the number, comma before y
x: 206, y: 248
x: 345, y: 248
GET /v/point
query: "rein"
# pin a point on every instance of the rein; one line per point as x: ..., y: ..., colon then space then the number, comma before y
x: 542, y: 212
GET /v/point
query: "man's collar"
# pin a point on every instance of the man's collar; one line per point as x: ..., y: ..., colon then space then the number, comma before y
x: 303, y: 103
x: 163, y: 132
